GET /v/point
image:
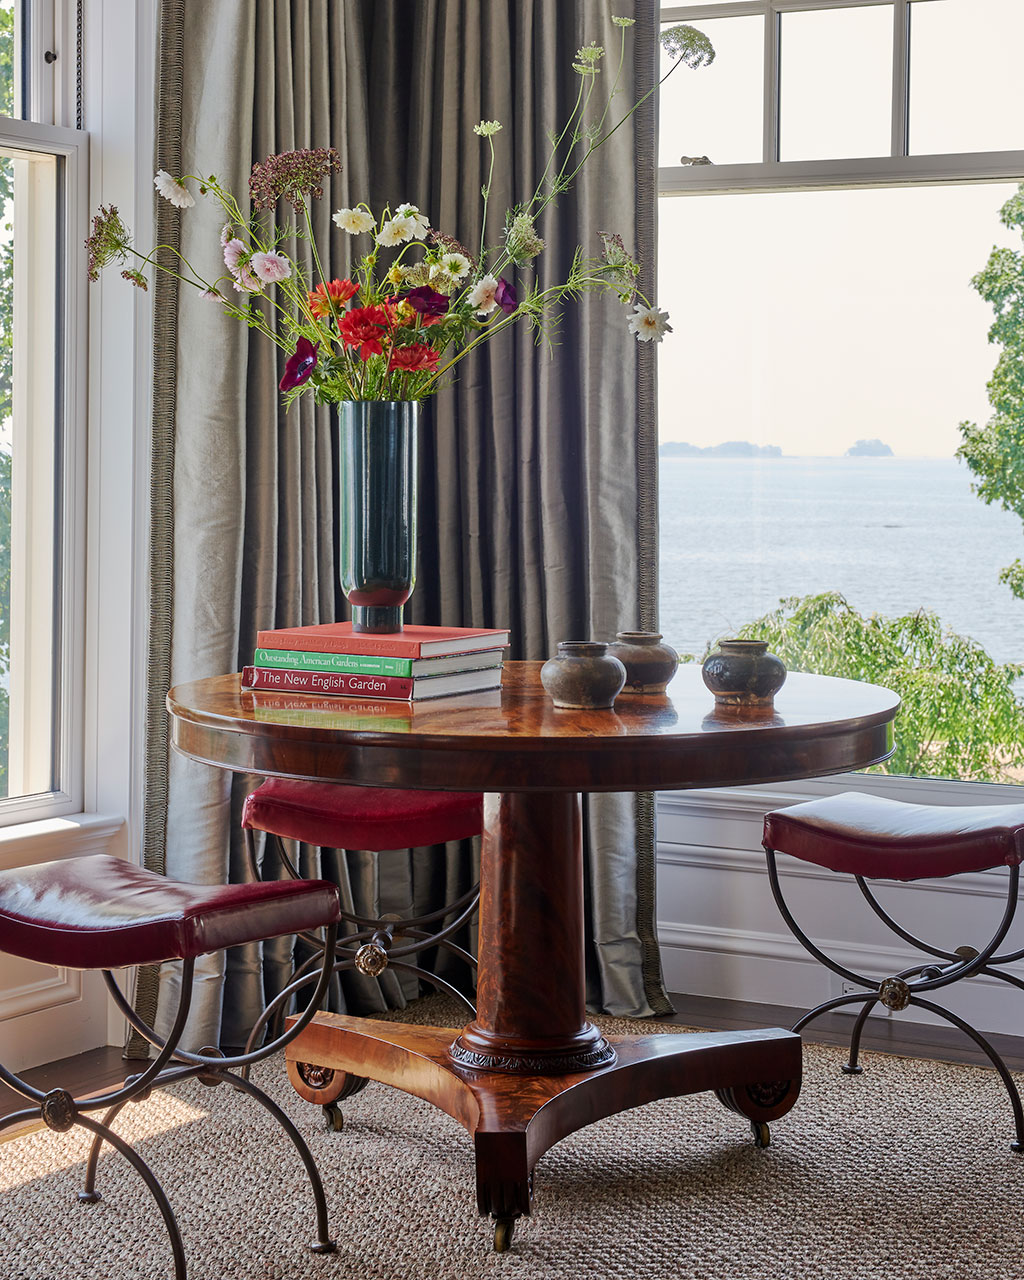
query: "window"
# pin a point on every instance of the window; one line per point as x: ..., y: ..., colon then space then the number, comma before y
x: 851, y: 158
x: 42, y: 179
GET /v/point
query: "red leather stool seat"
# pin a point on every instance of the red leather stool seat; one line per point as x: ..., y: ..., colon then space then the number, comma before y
x: 99, y: 912
x: 336, y: 816
x: 870, y: 836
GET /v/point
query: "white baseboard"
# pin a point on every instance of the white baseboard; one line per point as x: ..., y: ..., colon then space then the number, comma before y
x: 721, y: 933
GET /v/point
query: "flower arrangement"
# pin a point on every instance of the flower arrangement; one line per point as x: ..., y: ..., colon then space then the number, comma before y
x: 417, y: 300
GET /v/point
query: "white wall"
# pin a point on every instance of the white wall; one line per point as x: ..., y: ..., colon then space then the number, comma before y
x: 721, y: 933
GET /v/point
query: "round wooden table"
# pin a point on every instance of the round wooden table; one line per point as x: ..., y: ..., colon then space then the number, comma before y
x: 531, y: 1068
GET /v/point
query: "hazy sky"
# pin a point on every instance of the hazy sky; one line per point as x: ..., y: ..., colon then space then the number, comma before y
x: 812, y: 319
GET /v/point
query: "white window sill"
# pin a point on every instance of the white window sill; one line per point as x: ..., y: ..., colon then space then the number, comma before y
x: 74, y: 835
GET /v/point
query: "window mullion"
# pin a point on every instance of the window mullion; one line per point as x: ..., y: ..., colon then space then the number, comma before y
x: 772, y: 78
x: 901, y: 78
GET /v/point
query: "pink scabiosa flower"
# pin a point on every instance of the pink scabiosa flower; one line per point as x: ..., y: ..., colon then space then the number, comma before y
x: 505, y: 296
x: 483, y: 295
x: 300, y: 366
x: 246, y: 281
x: 270, y: 267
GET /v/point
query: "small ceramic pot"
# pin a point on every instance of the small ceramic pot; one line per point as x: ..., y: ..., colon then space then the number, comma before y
x: 743, y: 673
x: 650, y: 663
x: 583, y: 674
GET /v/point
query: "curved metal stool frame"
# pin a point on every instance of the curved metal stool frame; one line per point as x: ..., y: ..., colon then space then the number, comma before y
x: 60, y: 1111
x: 900, y: 990
x: 370, y: 949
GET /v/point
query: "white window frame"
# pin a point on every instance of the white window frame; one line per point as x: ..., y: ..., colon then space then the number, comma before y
x: 36, y: 456
x: 771, y: 174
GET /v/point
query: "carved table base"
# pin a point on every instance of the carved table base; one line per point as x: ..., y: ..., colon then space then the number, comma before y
x: 514, y: 1118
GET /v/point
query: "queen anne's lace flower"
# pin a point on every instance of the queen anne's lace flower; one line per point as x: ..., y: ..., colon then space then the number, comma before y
x: 354, y: 221
x: 173, y: 190
x: 650, y: 324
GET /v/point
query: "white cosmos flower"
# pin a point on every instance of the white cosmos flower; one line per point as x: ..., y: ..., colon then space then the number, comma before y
x: 396, y: 231
x: 649, y: 323
x: 455, y: 265
x: 482, y: 294
x: 421, y: 223
x: 354, y: 221
x: 171, y: 189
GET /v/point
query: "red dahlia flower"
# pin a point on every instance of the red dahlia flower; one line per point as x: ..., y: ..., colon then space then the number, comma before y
x: 413, y: 358
x: 300, y: 366
x: 326, y: 299
x: 363, y: 327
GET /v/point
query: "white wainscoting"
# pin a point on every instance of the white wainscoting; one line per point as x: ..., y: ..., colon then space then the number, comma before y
x: 721, y: 933
x: 48, y: 1013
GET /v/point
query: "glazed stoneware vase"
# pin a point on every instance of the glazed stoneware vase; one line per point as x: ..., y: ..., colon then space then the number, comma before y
x: 377, y: 498
x: 583, y: 674
x: 650, y: 663
x: 742, y: 673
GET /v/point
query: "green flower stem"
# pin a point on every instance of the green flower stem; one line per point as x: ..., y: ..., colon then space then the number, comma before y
x: 487, y: 196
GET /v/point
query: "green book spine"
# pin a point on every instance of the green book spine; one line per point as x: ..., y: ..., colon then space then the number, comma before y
x: 347, y: 663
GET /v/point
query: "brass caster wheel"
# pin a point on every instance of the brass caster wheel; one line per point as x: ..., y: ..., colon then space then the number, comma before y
x: 334, y: 1121
x: 503, y: 1228
x: 762, y: 1134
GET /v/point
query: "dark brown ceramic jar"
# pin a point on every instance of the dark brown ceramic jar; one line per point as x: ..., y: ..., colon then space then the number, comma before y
x: 743, y: 673
x: 583, y: 674
x: 650, y: 663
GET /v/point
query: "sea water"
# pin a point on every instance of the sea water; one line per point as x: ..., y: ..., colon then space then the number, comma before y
x: 891, y: 534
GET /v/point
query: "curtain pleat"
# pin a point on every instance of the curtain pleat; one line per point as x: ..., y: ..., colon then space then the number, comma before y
x: 537, y: 471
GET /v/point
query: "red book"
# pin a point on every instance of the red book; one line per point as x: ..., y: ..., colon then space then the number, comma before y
x: 411, y: 642
x: 406, y: 688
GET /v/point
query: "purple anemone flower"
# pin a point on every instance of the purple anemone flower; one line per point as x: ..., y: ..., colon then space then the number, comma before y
x: 427, y: 301
x: 505, y: 296
x: 300, y: 366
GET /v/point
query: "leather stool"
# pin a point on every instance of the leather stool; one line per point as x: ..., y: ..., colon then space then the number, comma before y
x: 338, y: 816
x: 869, y: 838
x: 102, y: 913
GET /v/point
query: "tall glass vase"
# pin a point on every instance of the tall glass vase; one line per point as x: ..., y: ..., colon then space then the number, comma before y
x: 377, y: 496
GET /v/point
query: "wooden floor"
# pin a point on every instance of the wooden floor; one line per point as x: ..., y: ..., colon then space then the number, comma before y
x: 92, y: 1072
x: 887, y: 1035
x: 101, y: 1069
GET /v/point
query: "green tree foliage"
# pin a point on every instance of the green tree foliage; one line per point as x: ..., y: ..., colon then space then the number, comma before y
x: 995, y: 452
x: 960, y: 717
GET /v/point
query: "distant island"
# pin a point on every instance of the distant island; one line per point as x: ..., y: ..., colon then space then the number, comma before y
x: 730, y: 449
x: 869, y: 449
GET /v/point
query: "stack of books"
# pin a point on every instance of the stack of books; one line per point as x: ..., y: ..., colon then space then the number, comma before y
x: 415, y: 663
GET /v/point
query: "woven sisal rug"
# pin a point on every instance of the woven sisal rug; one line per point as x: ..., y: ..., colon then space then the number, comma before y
x: 903, y: 1173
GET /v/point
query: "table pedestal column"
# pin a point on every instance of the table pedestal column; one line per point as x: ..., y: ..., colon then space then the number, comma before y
x: 530, y: 991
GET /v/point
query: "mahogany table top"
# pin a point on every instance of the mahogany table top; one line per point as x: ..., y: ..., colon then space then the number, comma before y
x: 515, y: 739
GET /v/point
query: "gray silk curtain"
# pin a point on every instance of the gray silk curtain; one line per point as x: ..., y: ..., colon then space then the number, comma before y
x: 538, y: 472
